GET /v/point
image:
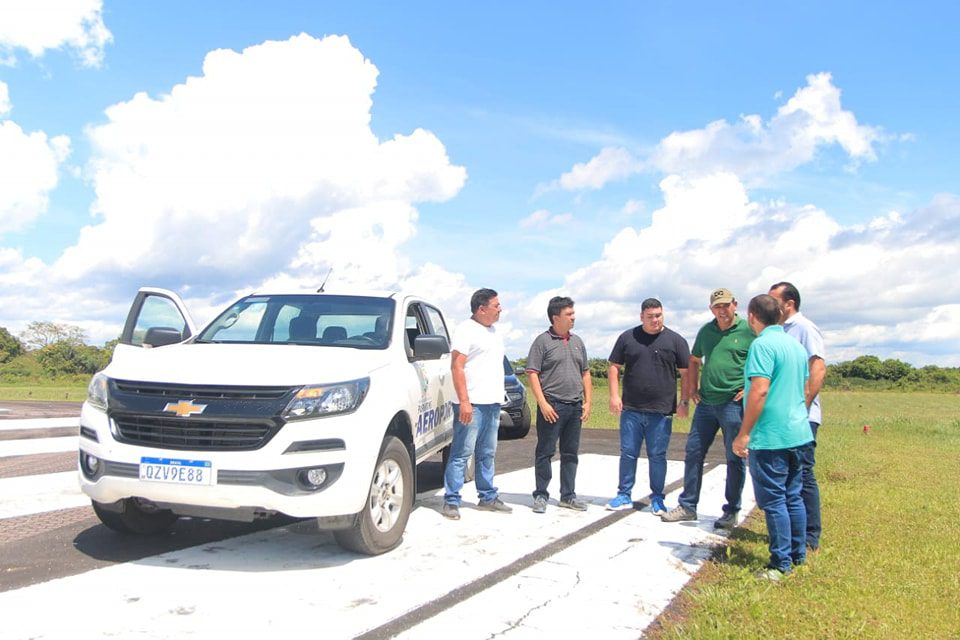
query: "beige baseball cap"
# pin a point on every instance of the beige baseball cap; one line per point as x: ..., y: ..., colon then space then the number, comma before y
x: 721, y: 296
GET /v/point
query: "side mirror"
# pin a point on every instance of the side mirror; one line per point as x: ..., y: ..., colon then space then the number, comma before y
x: 161, y: 336
x: 430, y: 347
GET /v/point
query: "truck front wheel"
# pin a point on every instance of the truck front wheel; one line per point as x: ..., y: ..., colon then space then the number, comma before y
x: 379, y: 527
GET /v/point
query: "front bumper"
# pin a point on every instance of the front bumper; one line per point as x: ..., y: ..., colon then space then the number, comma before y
x: 269, y: 479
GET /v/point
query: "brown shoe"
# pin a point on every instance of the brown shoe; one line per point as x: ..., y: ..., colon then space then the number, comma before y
x: 494, y: 505
x: 450, y: 511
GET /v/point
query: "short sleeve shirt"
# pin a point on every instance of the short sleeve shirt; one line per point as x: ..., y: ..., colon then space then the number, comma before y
x: 780, y: 359
x: 724, y: 354
x: 561, y: 363
x: 804, y: 330
x: 651, y: 363
x: 483, y: 347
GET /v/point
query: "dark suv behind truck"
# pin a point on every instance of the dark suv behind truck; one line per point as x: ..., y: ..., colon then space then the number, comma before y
x: 515, y: 412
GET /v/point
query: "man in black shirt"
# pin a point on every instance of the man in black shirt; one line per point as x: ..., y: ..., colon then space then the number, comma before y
x: 651, y: 355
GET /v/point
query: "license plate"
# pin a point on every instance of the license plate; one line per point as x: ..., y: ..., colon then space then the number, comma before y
x: 176, y: 471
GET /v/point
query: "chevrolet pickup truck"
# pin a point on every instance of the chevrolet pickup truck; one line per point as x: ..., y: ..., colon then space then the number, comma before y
x: 309, y: 404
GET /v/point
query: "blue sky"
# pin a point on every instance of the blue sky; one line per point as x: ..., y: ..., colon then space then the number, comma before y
x: 609, y: 152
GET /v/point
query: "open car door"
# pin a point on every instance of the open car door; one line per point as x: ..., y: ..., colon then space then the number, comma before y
x: 157, y: 318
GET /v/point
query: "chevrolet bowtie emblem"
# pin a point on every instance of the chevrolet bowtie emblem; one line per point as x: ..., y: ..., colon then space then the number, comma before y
x: 184, y: 408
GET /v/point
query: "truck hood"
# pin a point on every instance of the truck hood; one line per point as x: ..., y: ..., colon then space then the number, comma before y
x: 244, y: 364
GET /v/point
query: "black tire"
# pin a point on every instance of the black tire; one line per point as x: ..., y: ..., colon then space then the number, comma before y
x: 469, y: 473
x: 521, y: 431
x: 136, y: 516
x: 379, y: 527
x: 525, y: 421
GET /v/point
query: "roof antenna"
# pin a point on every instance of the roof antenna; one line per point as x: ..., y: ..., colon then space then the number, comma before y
x: 324, y: 283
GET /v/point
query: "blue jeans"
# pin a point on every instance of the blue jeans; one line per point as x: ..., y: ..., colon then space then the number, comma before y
x: 811, y: 490
x: 478, y: 438
x: 567, y: 430
x: 776, y: 485
x: 635, y: 426
x: 707, y: 419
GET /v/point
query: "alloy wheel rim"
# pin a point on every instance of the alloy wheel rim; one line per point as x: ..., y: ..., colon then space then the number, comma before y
x: 386, y: 495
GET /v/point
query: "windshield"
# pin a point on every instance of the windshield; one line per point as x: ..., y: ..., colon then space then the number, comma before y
x: 325, y: 320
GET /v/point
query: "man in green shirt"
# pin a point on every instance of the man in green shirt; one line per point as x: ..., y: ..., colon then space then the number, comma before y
x: 721, y: 348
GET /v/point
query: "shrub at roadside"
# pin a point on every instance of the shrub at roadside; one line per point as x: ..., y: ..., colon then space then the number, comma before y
x: 10, y: 346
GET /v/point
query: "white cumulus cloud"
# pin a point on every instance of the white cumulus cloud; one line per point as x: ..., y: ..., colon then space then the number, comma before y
x: 29, y: 170
x: 37, y: 26
x: 265, y: 162
x: 541, y: 218
x: 263, y: 169
x: 4, y: 99
x: 813, y: 118
x: 856, y: 281
x: 612, y: 163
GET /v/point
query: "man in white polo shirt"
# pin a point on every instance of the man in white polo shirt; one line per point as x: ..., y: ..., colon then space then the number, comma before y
x: 477, y: 368
x: 808, y: 334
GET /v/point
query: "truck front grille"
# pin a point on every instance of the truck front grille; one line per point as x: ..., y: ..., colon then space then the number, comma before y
x: 200, y: 392
x: 193, y: 434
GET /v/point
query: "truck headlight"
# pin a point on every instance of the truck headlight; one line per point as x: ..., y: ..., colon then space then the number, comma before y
x: 315, y: 401
x: 97, y: 392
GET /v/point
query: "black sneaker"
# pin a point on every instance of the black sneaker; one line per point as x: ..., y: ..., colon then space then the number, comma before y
x: 574, y: 503
x: 450, y: 511
x: 494, y: 505
x: 727, y: 521
x: 540, y: 504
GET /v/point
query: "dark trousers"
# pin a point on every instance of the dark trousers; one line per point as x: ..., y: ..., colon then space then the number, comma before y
x: 811, y: 490
x: 566, y: 430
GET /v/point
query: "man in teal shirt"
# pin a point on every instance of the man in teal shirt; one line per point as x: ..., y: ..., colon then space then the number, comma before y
x: 775, y: 430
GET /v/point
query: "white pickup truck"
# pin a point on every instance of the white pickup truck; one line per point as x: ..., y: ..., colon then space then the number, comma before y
x: 306, y: 404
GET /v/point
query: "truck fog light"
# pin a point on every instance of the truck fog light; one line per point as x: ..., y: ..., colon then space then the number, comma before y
x: 313, y: 478
x: 91, y: 464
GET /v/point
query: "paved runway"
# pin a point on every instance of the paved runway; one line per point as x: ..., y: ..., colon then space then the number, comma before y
x: 520, y: 575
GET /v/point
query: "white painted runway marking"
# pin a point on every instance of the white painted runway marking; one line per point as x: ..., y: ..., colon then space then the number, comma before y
x: 27, y: 495
x: 293, y: 578
x: 613, y: 584
x: 38, y: 445
x: 39, y: 423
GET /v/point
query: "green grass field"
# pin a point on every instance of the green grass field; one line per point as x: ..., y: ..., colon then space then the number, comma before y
x: 46, y: 392
x: 889, y: 565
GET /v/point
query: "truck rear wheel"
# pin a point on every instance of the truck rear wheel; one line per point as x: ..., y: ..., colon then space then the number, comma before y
x: 135, y: 516
x: 379, y: 527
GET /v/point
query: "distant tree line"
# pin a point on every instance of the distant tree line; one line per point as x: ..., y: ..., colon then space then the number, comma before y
x: 871, y: 371
x: 863, y: 372
x: 50, y: 350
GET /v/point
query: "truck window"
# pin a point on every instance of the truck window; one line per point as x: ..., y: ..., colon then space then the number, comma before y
x: 157, y: 311
x: 437, y: 326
